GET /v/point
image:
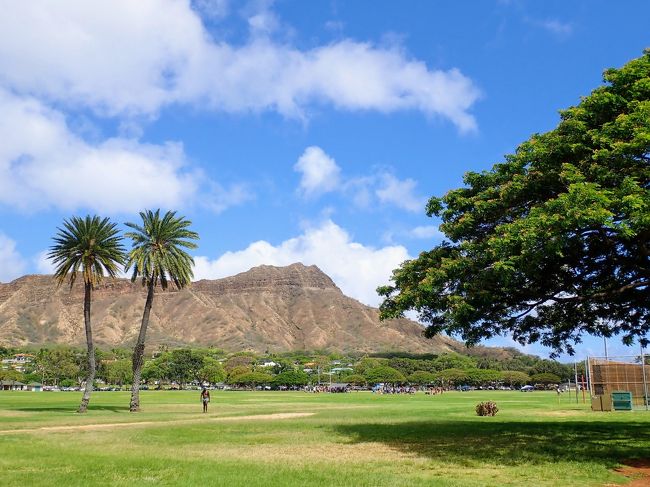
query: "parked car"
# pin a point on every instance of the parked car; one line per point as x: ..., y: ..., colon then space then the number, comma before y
x: 527, y: 389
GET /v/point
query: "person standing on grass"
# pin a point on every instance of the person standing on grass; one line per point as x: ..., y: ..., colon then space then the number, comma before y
x: 205, y: 399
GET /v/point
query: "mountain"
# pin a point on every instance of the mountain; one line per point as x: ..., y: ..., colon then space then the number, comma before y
x: 264, y: 309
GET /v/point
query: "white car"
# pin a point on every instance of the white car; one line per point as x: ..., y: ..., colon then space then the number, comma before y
x: 527, y: 389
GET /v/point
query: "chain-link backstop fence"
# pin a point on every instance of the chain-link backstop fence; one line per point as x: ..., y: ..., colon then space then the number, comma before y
x: 619, y: 382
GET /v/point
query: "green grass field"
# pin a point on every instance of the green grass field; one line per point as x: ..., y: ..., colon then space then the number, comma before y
x: 357, y: 439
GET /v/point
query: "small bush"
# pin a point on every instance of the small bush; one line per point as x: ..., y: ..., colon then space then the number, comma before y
x: 488, y: 408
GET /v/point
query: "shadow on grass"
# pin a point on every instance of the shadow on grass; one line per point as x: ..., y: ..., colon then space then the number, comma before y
x: 512, y: 444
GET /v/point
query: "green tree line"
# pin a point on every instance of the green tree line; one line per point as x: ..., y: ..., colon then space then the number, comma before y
x: 66, y: 366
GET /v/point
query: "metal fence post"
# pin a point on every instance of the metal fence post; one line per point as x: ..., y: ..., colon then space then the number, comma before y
x: 575, y: 369
x: 645, y: 382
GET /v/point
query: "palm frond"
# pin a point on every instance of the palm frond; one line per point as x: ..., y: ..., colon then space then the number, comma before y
x: 91, y: 246
x: 156, y: 254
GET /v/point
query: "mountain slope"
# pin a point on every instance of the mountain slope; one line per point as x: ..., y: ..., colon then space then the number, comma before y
x: 264, y: 309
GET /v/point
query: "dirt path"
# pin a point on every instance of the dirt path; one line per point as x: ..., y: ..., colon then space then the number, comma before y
x: 638, y: 470
x: 100, y: 426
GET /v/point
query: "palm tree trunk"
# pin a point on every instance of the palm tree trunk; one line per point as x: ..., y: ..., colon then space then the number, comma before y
x: 138, y: 351
x: 83, y: 407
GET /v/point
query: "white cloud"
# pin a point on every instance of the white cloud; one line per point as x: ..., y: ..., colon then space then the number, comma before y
x: 12, y: 265
x: 43, y: 264
x: 212, y: 9
x: 320, y: 172
x: 125, y: 57
x: 357, y: 269
x: 43, y: 164
x: 262, y: 20
x: 399, y: 193
x: 384, y: 188
x: 218, y: 198
x: 426, y: 232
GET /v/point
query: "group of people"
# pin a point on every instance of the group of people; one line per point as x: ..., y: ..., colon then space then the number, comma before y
x: 387, y: 389
x: 432, y: 391
x: 328, y: 388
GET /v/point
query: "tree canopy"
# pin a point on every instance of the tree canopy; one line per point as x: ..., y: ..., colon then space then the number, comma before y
x: 384, y: 373
x: 252, y: 379
x: 422, y: 377
x: 545, y: 378
x: 291, y: 378
x: 552, y: 243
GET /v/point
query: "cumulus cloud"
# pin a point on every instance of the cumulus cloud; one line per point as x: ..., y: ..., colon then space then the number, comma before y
x: 43, y: 264
x: 422, y: 232
x: 262, y: 20
x: 44, y: 164
x: 320, y: 173
x: 12, y: 264
x: 357, y: 269
x: 212, y: 9
x: 399, y: 193
x: 126, y: 57
x: 426, y: 232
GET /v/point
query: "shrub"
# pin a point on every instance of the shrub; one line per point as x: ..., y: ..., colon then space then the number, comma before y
x: 488, y: 408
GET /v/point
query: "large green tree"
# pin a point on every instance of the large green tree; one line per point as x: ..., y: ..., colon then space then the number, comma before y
x: 252, y: 379
x: 291, y: 378
x: 384, y: 373
x: 515, y: 378
x: 91, y: 247
x: 183, y: 365
x: 157, y: 258
x: 553, y: 243
x: 118, y: 372
x: 422, y: 377
x: 56, y: 364
x: 212, y: 371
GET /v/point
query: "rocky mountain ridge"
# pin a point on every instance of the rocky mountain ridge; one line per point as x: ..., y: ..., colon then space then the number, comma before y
x: 264, y: 309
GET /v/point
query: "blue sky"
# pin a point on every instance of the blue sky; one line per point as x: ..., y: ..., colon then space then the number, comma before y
x: 286, y: 131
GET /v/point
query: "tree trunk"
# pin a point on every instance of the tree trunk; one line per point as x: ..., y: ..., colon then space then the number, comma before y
x: 138, y: 351
x: 90, y: 378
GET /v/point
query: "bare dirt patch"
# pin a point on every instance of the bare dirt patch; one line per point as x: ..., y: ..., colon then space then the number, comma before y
x: 638, y: 470
x: 100, y: 426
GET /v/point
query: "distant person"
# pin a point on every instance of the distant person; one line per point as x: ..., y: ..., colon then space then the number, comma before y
x: 205, y: 399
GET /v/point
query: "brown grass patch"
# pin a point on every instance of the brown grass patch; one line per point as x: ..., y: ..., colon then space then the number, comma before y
x: 303, y: 453
x: 100, y: 426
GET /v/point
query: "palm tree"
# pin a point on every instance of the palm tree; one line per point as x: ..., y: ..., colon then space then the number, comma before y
x: 157, y: 258
x: 92, y: 246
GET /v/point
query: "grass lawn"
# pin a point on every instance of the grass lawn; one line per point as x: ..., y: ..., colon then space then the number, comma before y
x: 356, y: 439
